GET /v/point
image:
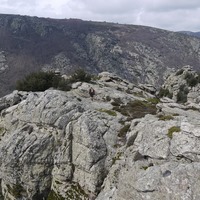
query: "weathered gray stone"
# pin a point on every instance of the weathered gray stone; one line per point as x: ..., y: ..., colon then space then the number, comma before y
x: 155, y: 164
x: 52, y: 139
x: 183, y: 81
x: 68, y: 145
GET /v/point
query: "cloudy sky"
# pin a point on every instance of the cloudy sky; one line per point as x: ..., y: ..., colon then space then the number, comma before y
x: 175, y: 15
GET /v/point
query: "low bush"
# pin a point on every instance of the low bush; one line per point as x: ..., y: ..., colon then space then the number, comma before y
x: 64, y: 85
x: 182, y: 94
x: 181, y: 97
x: 116, y: 102
x: 38, y: 81
x: 80, y: 75
x: 191, y: 79
x: 164, y: 93
x: 41, y: 81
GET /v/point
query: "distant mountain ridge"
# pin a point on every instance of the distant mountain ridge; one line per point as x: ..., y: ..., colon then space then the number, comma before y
x: 197, y: 34
x: 138, y: 53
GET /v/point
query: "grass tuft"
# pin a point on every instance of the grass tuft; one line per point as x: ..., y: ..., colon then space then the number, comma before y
x: 109, y: 112
x: 165, y: 117
x: 136, y: 109
x: 172, y: 130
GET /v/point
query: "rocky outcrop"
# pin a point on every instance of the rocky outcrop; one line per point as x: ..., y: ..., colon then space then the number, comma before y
x: 183, y: 85
x: 51, y: 137
x: 121, y: 145
x: 160, y: 160
x: 57, y: 144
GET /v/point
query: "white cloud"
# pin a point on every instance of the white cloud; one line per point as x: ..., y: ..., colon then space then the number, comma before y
x: 171, y: 5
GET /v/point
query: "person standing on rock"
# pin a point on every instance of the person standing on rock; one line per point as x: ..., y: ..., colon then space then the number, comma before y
x: 92, y: 93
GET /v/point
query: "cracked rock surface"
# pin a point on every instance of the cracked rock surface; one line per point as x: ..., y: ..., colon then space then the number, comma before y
x: 63, y: 145
x: 155, y: 165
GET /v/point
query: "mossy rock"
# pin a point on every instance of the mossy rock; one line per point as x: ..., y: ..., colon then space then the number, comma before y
x: 172, y: 130
x: 109, y: 112
x: 2, y: 130
x: 165, y: 117
x: 74, y: 192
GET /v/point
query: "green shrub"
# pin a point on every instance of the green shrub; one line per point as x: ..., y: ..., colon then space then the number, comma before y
x: 108, y: 98
x: 80, y: 75
x: 181, y: 97
x: 191, y: 79
x: 182, y: 94
x: 41, y: 81
x: 64, y: 85
x: 116, y: 102
x: 193, y: 82
x: 172, y: 130
x: 164, y: 93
